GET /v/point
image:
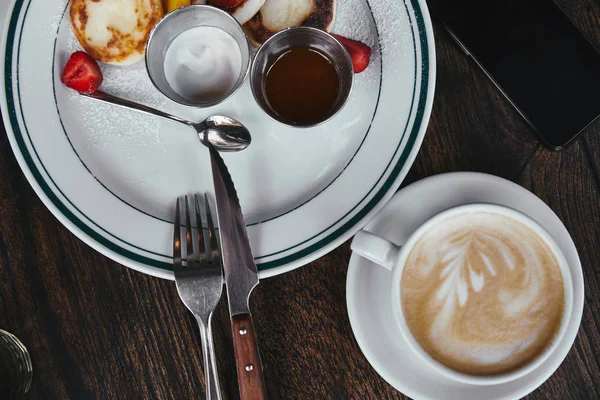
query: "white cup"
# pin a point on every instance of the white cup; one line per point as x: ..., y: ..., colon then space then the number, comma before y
x: 393, y: 257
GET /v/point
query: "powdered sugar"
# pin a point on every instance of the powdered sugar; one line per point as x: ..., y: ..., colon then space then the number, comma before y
x: 57, y: 18
x: 105, y: 123
x: 392, y: 21
x: 132, y: 83
x: 130, y: 127
x: 353, y: 19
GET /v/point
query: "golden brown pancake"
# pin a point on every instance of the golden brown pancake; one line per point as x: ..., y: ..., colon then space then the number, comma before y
x: 114, y: 31
x: 277, y: 15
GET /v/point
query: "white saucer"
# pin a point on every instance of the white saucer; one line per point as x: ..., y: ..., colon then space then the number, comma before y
x: 368, y: 295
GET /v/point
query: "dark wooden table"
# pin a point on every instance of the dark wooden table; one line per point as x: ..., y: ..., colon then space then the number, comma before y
x: 97, y: 330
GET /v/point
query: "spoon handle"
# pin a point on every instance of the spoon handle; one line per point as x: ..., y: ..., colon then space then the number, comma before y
x: 109, y: 98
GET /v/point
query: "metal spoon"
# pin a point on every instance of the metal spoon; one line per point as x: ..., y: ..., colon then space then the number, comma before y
x: 224, y: 133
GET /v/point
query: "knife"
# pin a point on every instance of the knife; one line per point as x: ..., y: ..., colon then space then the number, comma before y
x: 241, y: 276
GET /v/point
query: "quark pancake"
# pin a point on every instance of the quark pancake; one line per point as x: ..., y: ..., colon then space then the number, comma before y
x: 277, y: 15
x: 246, y: 10
x: 114, y: 31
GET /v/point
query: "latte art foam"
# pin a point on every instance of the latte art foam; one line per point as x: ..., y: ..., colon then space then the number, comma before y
x: 482, y: 293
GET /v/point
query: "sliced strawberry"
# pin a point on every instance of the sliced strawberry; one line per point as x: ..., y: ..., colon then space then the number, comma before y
x: 82, y: 73
x: 359, y: 52
x: 225, y: 4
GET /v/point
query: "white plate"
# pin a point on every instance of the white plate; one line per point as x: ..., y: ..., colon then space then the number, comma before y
x: 111, y: 175
x: 368, y: 295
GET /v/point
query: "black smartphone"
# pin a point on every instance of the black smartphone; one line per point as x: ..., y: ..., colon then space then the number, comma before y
x: 535, y: 55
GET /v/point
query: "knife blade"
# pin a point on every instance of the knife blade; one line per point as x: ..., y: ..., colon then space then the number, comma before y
x: 241, y: 277
x: 241, y: 274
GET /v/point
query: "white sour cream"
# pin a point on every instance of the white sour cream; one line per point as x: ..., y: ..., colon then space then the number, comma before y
x: 203, y: 64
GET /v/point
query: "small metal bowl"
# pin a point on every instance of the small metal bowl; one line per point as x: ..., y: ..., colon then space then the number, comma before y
x: 179, y: 21
x: 288, y: 39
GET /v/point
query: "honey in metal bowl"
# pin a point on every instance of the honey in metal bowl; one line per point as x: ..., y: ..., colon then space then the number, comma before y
x: 302, y: 86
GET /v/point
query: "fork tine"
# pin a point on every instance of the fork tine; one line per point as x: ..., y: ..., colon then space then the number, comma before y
x: 201, y: 244
x: 214, y: 249
x: 189, y: 247
x: 177, y: 238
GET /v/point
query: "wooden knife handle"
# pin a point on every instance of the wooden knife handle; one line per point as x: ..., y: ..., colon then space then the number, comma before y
x: 247, y: 359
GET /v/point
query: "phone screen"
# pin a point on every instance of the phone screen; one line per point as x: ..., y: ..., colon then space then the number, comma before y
x: 538, y: 58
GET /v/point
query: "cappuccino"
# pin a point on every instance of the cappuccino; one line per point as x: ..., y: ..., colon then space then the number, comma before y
x: 482, y: 293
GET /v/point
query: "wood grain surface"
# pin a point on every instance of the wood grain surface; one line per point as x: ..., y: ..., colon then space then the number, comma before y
x: 97, y: 330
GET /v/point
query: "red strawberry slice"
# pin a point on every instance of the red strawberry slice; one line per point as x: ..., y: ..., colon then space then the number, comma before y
x: 359, y: 52
x: 225, y: 4
x: 82, y: 73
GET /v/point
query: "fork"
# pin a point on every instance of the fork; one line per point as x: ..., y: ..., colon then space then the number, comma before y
x: 200, y: 282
